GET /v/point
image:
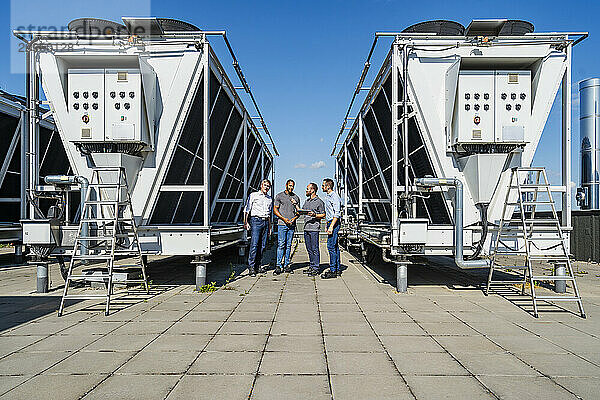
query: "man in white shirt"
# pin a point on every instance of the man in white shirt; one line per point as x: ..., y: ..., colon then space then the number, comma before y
x: 257, y: 219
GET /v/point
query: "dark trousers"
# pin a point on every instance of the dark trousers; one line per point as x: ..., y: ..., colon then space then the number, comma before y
x: 333, y: 247
x: 311, y: 240
x: 258, y: 241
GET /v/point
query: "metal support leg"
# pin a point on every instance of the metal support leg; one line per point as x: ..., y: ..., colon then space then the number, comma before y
x: 18, y: 253
x: 42, y: 278
x: 560, y: 286
x: 201, y: 263
x: 402, y: 276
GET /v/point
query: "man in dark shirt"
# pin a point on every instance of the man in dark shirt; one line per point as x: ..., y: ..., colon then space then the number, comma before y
x: 285, y: 211
x: 312, y: 225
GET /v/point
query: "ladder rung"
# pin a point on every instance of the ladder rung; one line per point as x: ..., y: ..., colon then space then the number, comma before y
x: 105, y: 202
x: 553, y: 278
x: 97, y: 276
x: 92, y: 257
x: 127, y: 266
x: 86, y: 238
x: 558, y: 298
x: 510, y: 267
x: 113, y: 185
x: 494, y: 282
x: 85, y: 296
x: 556, y: 257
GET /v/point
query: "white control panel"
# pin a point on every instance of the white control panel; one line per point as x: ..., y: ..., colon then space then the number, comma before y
x: 492, y: 107
x: 513, y: 110
x: 124, y: 117
x: 475, y: 112
x: 107, y: 105
x: 86, y: 104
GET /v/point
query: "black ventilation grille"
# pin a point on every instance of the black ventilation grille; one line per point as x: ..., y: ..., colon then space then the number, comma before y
x: 186, y: 168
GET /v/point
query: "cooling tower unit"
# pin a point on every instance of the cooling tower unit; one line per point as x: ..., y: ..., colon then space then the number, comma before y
x: 151, y: 97
x: 449, y: 113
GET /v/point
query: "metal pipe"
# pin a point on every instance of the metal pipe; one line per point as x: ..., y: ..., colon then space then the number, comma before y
x: 589, y: 132
x: 405, y: 122
x: 84, y: 184
x: 458, y: 219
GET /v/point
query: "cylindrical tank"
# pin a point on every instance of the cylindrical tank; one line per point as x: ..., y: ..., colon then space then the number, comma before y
x: 589, y: 131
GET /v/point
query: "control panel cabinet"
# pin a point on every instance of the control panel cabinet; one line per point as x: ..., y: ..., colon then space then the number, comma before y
x: 513, y: 105
x: 475, y: 110
x: 492, y: 107
x: 107, y: 105
x: 124, y: 113
x: 86, y: 104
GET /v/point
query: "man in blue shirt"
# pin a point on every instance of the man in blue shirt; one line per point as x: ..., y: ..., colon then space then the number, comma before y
x: 333, y: 207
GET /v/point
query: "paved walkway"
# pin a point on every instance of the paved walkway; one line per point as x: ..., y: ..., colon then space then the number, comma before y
x: 292, y: 336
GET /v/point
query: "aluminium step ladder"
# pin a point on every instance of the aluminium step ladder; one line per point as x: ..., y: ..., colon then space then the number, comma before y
x: 536, y: 235
x: 106, y: 231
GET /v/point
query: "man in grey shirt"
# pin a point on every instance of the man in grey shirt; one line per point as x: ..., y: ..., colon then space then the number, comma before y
x: 285, y: 211
x: 312, y: 225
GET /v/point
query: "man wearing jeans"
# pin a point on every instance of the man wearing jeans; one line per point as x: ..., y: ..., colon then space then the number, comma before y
x: 312, y: 225
x: 333, y: 207
x: 257, y: 219
x: 285, y: 211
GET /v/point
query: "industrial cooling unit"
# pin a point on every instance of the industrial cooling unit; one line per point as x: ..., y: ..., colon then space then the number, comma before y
x: 450, y: 113
x: 150, y: 97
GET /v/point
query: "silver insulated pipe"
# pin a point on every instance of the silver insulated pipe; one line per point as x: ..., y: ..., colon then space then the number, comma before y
x: 588, y: 196
x: 458, y: 220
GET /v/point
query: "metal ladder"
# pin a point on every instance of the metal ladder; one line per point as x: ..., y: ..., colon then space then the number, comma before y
x: 542, y: 237
x: 106, y: 231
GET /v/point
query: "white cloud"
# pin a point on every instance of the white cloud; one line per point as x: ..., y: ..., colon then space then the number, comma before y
x: 300, y: 165
x: 318, y: 165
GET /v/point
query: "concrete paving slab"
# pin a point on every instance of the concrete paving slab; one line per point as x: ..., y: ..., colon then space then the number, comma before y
x: 353, y: 344
x: 69, y: 343
x: 447, y: 387
x: 10, y: 344
x: 237, y: 343
x: 134, y: 387
x: 296, y: 363
x: 347, y: 328
x: 397, y: 328
x: 245, y: 328
x: 369, y: 387
x: 360, y: 364
x: 9, y: 382
x: 296, y: 328
x: 210, y: 387
x: 494, y: 364
x: 92, y: 328
x: 251, y: 316
x: 427, y: 364
x: 142, y: 328
x: 59, y: 387
x: 194, y: 328
x: 90, y: 362
x: 411, y: 344
x: 527, y: 344
x: 207, y: 315
x: 315, y: 387
x: 448, y: 329
x: 294, y: 343
x: 226, y: 363
x: 585, y: 387
x: 159, y: 362
x: 30, y: 363
x: 193, y: 343
x: 127, y: 343
x: 525, y: 388
x: 561, y: 365
x: 468, y: 344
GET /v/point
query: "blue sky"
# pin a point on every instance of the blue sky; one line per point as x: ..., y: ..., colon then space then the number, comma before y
x: 303, y: 59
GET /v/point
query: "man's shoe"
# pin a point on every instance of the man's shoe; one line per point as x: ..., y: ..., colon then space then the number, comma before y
x: 277, y: 271
x: 329, y: 274
x: 339, y: 272
x: 252, y: 272
x: 262, y: 270
x: 288, y: 269
x: 313, y: 272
